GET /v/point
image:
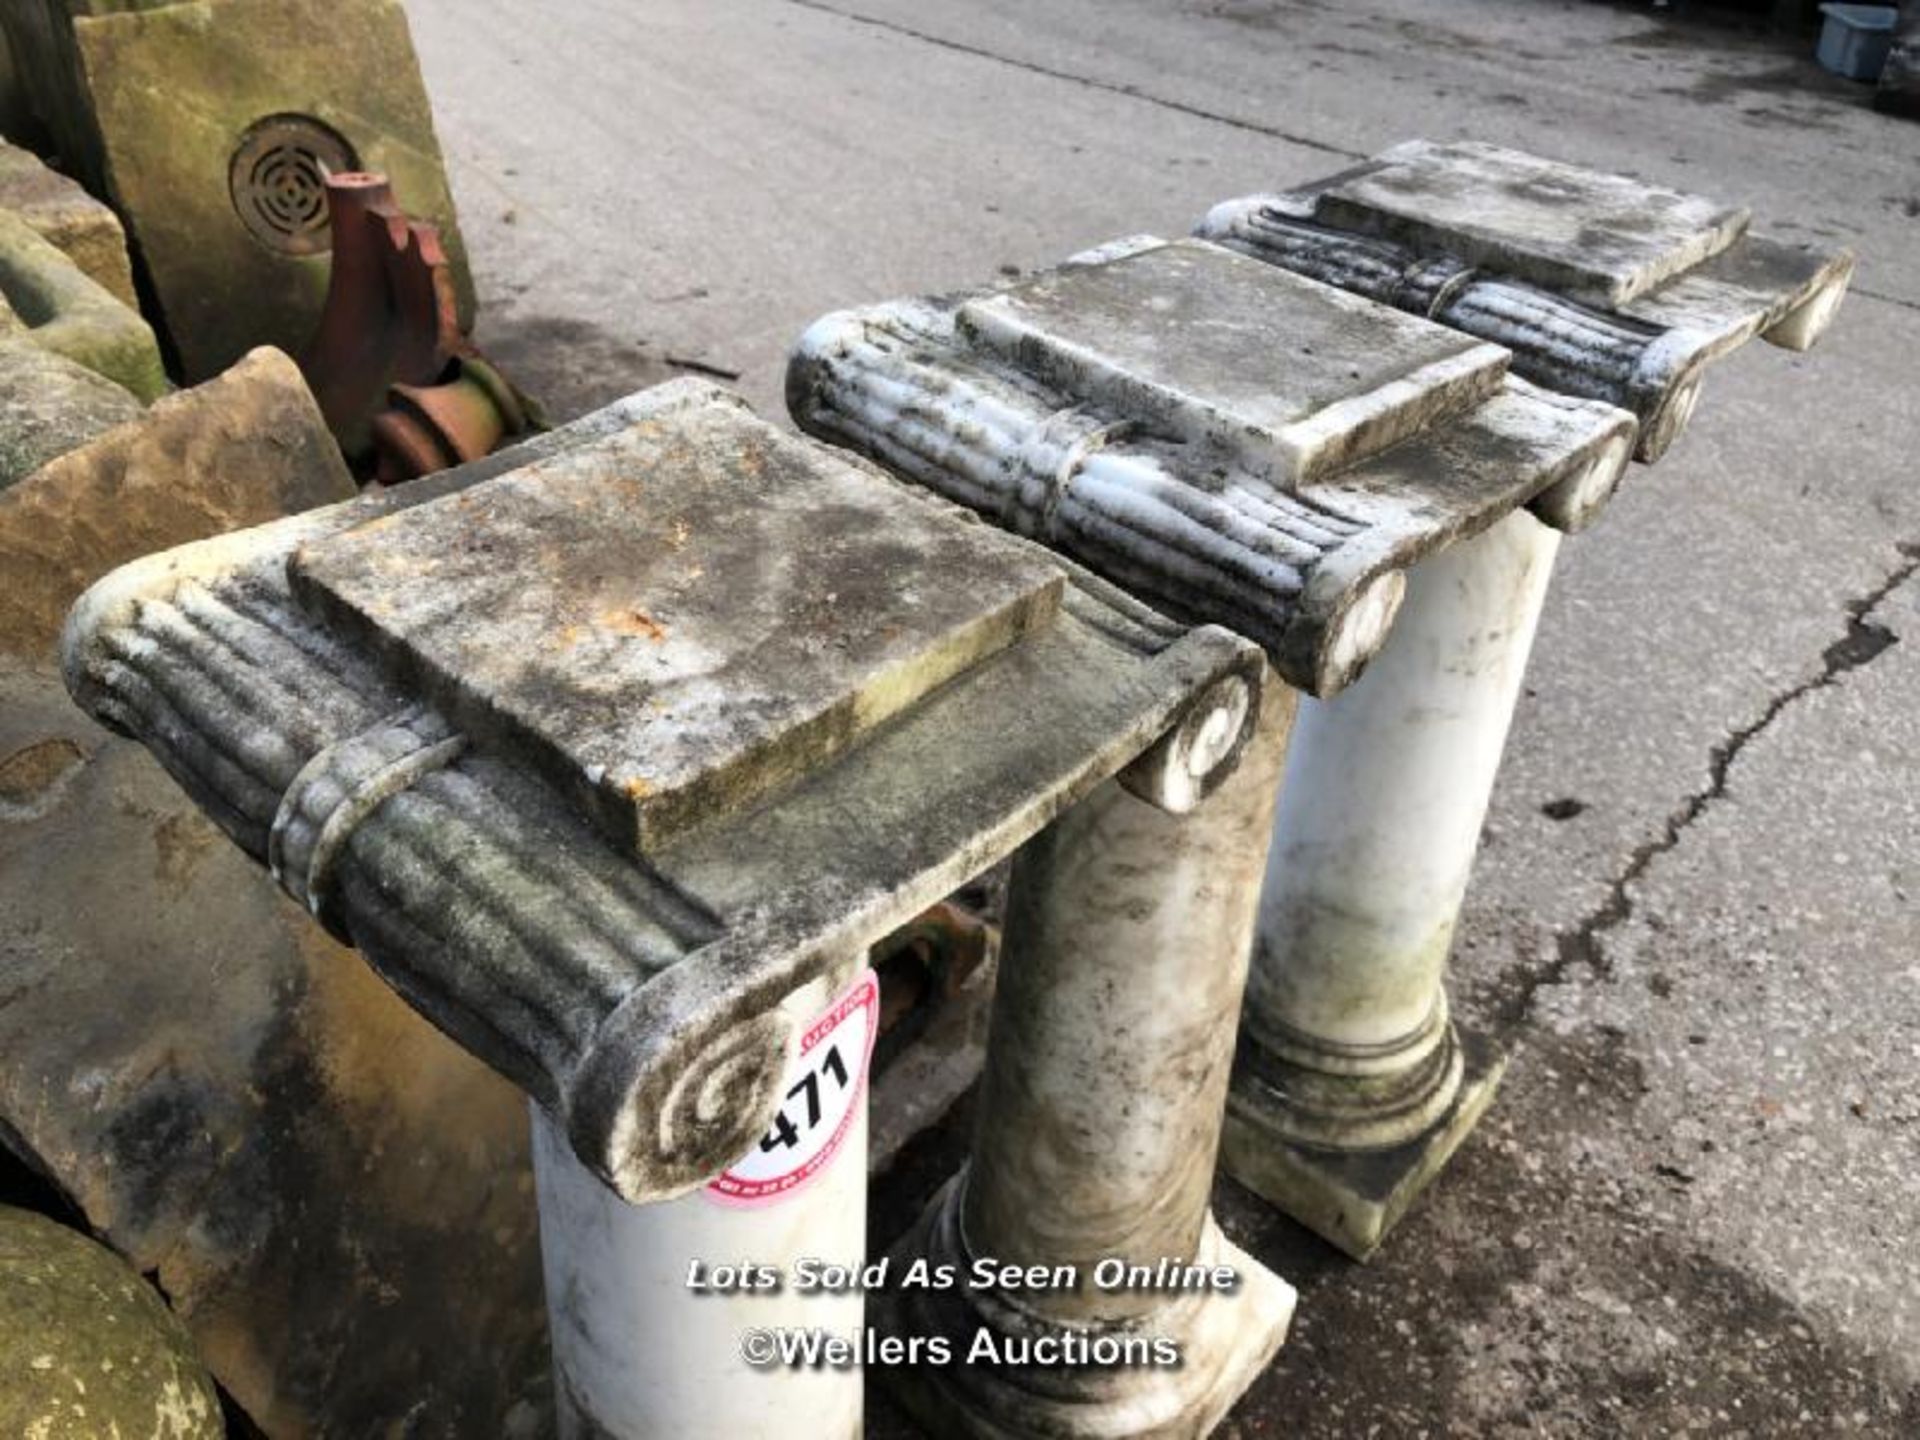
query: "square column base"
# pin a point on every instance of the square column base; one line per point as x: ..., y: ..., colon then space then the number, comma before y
x: 1352, y: 1198
x: 1225, y: 1340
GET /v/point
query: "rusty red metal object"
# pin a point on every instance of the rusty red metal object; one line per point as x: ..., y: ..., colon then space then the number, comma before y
x: 432, y: 427
x: 394, y: 377
x: 921, y: 966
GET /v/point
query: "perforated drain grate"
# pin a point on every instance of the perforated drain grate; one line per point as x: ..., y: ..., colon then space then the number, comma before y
x: 277, y: 180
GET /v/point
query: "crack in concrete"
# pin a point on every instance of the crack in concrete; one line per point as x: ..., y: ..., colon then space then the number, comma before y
x: 1884, y: 299
x: 1581, y: 948
x: 1110, y: 87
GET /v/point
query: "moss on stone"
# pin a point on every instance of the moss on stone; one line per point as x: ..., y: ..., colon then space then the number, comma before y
x: 174, y: 89
x: 50, y: 405
x: 67, y: 217
x: 87, y: 1348
x: 72, y: 315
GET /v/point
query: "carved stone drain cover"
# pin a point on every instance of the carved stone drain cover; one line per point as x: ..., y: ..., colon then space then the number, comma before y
x: 277, y: 176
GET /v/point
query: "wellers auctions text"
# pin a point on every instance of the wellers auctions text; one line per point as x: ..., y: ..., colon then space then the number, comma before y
x: 816, y: 1349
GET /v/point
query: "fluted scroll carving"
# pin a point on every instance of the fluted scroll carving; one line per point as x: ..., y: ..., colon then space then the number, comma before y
x: 339, y: 788
x: 477, y: 894
x: 895, y: 384
x: 1647, y: 369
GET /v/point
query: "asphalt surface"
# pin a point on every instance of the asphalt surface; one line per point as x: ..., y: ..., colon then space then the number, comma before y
x: 1694, y: 1207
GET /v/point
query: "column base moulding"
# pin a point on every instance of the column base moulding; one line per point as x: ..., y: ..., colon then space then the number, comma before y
x: 1223, y: 1341
x: 1351, y: 1198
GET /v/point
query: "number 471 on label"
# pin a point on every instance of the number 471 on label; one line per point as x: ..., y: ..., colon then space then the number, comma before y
x: 824, y: 1085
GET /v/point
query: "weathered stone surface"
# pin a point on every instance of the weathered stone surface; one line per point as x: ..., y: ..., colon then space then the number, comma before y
x: 1094, y: 408
x: 68, y: 312
x: 238, y: 450
x: 86, y: 1347
x: 67, y: 217
x: 175, y: 91
x: 50, y: 405
x: 638, y: 1002
x: 336, y: 1199
x: 1503, y: 1303
x: 40, y: 38
x: 324, y: 1186
x: 1601, y: 235
x: 1291, y: 378
x: 1600, y: 285
x: 1099, y: 1110
x: 681, y: 618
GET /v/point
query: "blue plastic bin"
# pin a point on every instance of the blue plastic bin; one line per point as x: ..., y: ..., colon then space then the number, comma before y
x: 1855, y: 40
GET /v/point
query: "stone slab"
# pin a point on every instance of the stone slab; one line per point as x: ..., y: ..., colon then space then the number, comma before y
x: 241, y: 449
x: 678, y: 619
x: 1568, y: 228
x: 1353, y: 1198
x: 1648, y: 356
x: 64, y: 310
x: 174, y: 92
x: 1747, y: 290
x: 67, y: 217
x: 1098, y: 432
x: 1296, y: 377
x: 50, y: 405
x: 324, y: 1186
x: 227, y: 1096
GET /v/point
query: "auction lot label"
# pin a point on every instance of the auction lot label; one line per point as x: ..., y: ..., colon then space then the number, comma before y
x: 823, y: 1086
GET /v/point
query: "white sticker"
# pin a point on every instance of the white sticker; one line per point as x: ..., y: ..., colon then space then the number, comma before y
x: 823, y: 1085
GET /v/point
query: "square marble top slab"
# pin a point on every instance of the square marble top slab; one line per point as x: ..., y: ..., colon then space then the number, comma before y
x: 1289, y: 376
x: 1595, y: 236
x: 674, y: 620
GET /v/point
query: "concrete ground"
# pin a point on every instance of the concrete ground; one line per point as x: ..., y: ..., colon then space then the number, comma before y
x: 1694, y: 1207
